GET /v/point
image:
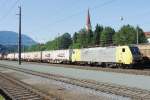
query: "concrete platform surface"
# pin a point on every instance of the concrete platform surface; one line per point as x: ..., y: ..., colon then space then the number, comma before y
x: 138, y: 81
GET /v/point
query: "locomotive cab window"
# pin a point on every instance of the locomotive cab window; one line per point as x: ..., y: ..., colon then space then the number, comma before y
x: 123, y: 49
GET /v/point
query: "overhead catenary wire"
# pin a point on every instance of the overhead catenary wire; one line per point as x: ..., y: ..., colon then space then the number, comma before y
x: 80, y: 12
x: 103, y: 4
x: 76, y: 14
x: 9, y: 11
x: 3, y: 3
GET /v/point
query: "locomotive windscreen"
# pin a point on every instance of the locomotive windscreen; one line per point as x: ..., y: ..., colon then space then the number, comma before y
x: 135, y: 50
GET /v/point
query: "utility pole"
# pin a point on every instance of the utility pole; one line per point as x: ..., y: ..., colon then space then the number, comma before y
x: 137, y: 36
x: 19, y: 42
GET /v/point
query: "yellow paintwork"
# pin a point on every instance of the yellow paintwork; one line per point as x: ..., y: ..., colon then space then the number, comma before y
x: 76, y: 55
x: 121, y: 57
x: 124, y: 57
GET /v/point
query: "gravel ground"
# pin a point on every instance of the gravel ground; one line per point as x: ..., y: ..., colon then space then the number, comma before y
x: 61, y: 90
x: 129, y: 80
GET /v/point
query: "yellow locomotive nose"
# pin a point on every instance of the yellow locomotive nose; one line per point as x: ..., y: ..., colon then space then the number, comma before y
x: 123, y: 55
x: 127, y: 54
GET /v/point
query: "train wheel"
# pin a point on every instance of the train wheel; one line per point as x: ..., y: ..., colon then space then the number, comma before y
x: 129, y: 66
x: 103, y: 64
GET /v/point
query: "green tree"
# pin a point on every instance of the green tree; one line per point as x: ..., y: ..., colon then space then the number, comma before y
x: 97, y: 34
x: 53, y: 45
x: 107, y: 36
x: 89, y: 37
x: 75, y: 37
x: 76, y: 41
x: 37, y: 47
x: 62, y: 42
x: 65, y: 41
x: 82, y: 38
x: 141, y: 35
x: 128, y: 35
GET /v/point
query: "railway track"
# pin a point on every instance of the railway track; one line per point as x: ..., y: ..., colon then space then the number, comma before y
x: 116, y: 70
x: 130, y: 92
x: 17, y: 90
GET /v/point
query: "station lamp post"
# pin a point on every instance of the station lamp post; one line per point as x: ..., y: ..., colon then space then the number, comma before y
x: 137, y: 31
x: 137, y: 36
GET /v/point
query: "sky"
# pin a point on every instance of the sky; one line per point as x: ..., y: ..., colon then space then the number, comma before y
x: 44, y: 20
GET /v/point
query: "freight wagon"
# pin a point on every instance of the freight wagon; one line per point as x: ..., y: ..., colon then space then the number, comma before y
x: 53, y: 56
x: 57, y: 56
x: 10, y: 56
x: 1, y: 56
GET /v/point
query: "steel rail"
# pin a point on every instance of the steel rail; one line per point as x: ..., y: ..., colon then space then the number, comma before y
x: 120, y: 90
x: 18, y: 90
x: 99, y: 68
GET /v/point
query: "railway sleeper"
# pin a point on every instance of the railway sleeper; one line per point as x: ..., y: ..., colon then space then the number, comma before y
x: 144, y: 95
x: 22, y: 93
x: 128, y: 91
x: 14, y: 88
x: 27, y: 97
x: 16, y: 91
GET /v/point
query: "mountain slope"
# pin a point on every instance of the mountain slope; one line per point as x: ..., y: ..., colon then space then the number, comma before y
x: 11, y: 38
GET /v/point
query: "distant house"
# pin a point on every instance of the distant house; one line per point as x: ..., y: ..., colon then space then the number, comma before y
x: 147, y: 34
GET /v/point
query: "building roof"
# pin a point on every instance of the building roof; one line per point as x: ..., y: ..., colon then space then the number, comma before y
x: 147, y: 34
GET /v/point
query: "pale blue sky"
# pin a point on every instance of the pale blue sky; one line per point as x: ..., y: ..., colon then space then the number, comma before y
x: 44, y: 19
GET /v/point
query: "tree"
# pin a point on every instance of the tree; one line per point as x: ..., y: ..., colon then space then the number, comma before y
x: 75, y: 37
x: 97, y: 34
x: 37, y: 47
x: 52, y: 45
x: 65, y: 41
x: 82, y: 39
x: 104, y: 36
x: 128, y: 35
x: 107, y: 36
x: 89, y: 37
x: 62, y: 42
x: 75, y: 41
x: 141, y: 36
